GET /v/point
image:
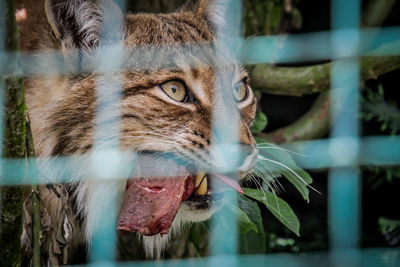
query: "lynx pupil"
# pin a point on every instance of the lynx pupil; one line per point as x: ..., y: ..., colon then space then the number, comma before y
x: 175, y: 90
x: 240, y: 91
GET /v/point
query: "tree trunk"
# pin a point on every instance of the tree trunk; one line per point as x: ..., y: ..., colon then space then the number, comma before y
x: 14, y: 142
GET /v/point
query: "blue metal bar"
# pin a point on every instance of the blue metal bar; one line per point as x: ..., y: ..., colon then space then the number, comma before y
x: 317, y: 154
x: 344, y: 210
x: 318, y: 46
x: 225, y: 135
x: 104, y: 216
x: 382, y: 257
x: 374, y: 150
x: 265, y: 49
x: 344, y: 189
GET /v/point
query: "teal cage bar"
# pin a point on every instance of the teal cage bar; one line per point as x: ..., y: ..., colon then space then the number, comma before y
x: 344, y: 44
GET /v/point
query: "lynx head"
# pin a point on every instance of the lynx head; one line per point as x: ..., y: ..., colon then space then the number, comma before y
x: 176, y: 83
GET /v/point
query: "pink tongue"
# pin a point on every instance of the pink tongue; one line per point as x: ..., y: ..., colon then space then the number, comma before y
x: 232, y: 183
x: 150, y: 205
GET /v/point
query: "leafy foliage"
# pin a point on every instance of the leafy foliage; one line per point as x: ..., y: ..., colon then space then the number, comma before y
x: 260, y: 123
x: 390, y: 229
x: 252, y: 236
x: 375, y: 107
x: 280, y: 163
x: 386, y: 112
x: 278, y: 207
x: 277, y: 243
x: 382, y: 174
x: 252, y: 241
x: 273, y: 162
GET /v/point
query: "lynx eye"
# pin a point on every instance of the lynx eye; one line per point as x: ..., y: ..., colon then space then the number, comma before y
x: 240, y: 91
x: 175, y: 90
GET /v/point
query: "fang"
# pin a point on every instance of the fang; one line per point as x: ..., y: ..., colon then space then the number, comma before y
x: 202, y: 190
x: 199, y: 178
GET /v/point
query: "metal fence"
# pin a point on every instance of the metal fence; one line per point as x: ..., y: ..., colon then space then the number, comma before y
x: 343, y: 152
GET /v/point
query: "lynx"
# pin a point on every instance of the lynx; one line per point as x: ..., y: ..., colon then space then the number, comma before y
x: 173, y: 71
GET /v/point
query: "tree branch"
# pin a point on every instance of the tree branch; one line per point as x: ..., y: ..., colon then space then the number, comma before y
x: 376, y: 12
x: 313, y: 124
x: 298, y: 81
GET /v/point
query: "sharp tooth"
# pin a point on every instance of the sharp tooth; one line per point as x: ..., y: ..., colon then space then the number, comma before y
x: 202, y: 190
x: 199, y: 178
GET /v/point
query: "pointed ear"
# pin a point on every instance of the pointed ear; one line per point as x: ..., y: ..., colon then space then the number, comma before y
x: 214, y: 11
x: 78, y: 24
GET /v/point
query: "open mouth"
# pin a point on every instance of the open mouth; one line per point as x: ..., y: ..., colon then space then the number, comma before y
x: 204, y: 189
x: 151, y: 204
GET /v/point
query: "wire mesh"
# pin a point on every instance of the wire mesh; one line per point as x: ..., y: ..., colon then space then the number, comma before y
x: 344, y: 152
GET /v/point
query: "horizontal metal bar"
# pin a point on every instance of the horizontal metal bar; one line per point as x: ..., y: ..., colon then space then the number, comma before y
x: 329, y: 45
x: 339, y: 152
x: 257, y: 50
x: 319, y: 154
x: 382, y: 257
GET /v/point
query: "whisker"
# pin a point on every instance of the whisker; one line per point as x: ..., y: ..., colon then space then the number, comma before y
x: 270, y: 182
x: 268, y: 146
x: 289, y: 169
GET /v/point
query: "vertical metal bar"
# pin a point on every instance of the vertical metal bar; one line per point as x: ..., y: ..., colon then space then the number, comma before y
x: 225, y: 135
x: 344, y: 211
x: 344, y: 188
x: 106, y: 158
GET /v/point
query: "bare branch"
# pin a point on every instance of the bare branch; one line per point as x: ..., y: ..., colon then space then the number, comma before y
x: 298, y: 81
x: 313, y: 124
x: 376, y: 12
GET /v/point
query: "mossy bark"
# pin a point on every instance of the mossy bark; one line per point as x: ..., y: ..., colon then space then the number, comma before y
x: 298, y: 81
x: 315, y: 123
x: 14, y: 142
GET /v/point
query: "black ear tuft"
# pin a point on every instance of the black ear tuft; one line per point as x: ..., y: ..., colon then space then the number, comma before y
x: 78, y: 24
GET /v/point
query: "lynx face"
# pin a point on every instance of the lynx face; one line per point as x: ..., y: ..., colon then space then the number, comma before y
x: 173, y: 78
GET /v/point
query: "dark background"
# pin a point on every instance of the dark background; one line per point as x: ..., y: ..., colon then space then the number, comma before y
x: 377, y: 201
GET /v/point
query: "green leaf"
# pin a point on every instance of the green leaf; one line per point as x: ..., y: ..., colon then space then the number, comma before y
x: 199, y: 236
x: 260, y: 122
x: 252, y: 242
x: 278, y: 207
x: 386, y: 225
x: 245, y: 225
x: 194, y: 236
x: 281, y: 162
